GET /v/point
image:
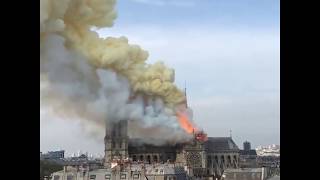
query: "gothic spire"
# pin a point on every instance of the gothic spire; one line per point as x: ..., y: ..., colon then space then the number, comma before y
x: 185, y: 93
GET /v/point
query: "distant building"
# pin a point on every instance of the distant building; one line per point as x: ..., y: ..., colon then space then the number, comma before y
x: 271, y: 150
x: 269, y: 156
x: 248, y: 156
x: 52, y: 155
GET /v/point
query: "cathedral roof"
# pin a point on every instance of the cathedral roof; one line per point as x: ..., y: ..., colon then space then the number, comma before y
x: 214, y: 144
x: 137, y: 145
x: 250, y: 152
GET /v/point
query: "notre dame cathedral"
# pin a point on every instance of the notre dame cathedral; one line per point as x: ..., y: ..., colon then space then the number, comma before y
x: 201, y: 157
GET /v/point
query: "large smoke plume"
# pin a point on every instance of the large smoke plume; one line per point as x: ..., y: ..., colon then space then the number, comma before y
x: 96, y: 80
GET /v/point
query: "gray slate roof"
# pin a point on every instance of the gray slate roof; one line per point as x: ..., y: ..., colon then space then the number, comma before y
x: 213, y: 144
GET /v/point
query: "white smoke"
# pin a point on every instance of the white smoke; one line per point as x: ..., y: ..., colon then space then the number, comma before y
x: 74, y: 89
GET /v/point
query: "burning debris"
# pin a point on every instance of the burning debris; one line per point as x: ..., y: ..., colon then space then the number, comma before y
x: 99, y: 80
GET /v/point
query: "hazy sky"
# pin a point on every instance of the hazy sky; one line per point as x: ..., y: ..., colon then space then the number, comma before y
x: 228, y: 52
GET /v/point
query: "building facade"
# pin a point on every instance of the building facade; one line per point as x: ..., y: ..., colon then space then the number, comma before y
x: 245, y: 174
x: 248, y: 156
x: 116, y: 141
x: 200, y: 157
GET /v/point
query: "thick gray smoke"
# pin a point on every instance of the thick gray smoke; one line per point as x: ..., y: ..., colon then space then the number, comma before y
x: 72, y: 89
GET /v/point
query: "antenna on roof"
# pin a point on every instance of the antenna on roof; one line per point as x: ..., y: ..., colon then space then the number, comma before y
x: 230, y: 133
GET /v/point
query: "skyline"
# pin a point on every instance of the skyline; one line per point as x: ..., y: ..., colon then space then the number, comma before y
x: 234, y: 44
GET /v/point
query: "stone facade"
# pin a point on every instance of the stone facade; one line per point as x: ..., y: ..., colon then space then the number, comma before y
x: 245, y: 174
x: 132, y: 172
x: 200, y: 158
x: 116, y: 141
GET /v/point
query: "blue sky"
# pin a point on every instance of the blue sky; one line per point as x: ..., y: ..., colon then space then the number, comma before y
x: 228, y: 52
x: 243, y: 13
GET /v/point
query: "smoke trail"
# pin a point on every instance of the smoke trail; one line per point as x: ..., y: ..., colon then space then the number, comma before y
x: 96, y: 80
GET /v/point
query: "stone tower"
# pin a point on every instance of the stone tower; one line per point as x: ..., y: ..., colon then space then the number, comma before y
x: 116, y: 142
x: 195, y: 155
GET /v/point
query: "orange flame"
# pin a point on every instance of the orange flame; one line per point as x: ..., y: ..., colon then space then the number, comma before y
x: 185, y: 123
x: 201, y: 136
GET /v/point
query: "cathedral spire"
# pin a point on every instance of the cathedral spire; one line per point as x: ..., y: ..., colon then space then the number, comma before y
x: 185, y: 93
